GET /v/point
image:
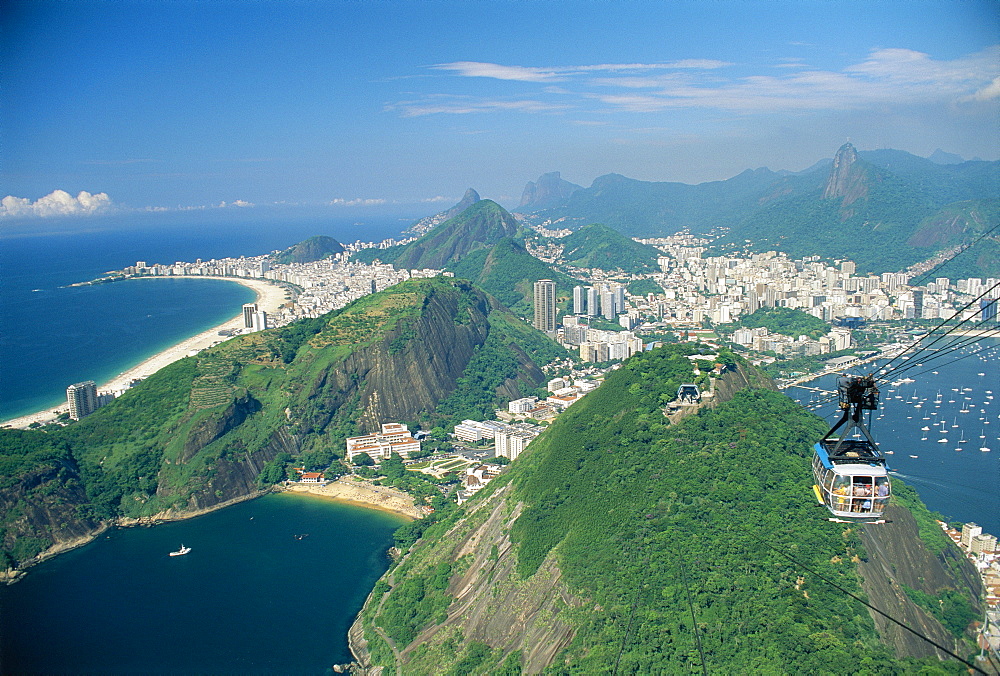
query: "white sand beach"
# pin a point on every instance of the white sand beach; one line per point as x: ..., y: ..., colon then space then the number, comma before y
x: 269, y: 298
x: 349, y: 489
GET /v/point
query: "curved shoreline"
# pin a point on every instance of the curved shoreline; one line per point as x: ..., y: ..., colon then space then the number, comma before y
x: 269, y: 297
x: 362, y: 494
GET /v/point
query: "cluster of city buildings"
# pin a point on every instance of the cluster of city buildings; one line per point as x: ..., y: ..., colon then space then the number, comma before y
x: 981, y: 548
x: 392, y: 438
x: 722, y: 289
x: 319, y: 286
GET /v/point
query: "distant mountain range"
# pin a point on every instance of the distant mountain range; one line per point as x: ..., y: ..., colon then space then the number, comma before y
x: 884, y: 209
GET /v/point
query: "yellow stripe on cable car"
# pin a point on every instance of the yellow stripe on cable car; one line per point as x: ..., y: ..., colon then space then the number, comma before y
x: 819, y: 497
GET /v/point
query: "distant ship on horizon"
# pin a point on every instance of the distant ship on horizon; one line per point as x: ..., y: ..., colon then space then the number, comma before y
x: 181, y: 552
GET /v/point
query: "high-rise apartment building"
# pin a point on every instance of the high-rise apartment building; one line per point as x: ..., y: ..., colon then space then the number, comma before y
x: 82, y: 399
x: 545, y: 305
x: 579, y: 300
x: 249, y: 310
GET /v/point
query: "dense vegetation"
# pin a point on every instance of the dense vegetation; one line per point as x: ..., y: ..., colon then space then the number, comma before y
x: 481, y: 225
x: 598, y: 246
x: 508, y: 272
x: 786, y: 321
x: 313, y: 249
x: 670, y: 536
x: 208, y: 428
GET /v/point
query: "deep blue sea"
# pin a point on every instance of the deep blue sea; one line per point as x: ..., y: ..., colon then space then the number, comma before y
x: 52, y: 336
x: 956, y: 396
x: 250, y: 597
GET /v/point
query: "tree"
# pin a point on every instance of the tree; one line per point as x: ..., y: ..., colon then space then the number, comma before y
x: 363, y: 460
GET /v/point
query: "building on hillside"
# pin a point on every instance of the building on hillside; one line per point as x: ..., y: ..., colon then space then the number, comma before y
x: 522, y: 405
x: 545, y: 305
x: 82, y: 399
x: 512, y: 441
x: 969, y: 531
x: 473, y: 430
x: 393, y: 438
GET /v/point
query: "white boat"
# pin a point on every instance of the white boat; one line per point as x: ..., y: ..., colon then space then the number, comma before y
x: 181, y: 552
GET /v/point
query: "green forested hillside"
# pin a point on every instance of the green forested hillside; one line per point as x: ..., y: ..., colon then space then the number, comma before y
x: 508, y: 272
x: 786, y: 321
x: 902, y: 209
x: 199, y: 432
x: 480, y: 226
x: 313, y: 249
x: 656, y: 545
x: 598, y: 246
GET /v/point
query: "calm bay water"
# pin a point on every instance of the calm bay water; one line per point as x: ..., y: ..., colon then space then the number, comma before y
x: 52, y: 336
x: 249, y: 598
x: 963, y: 485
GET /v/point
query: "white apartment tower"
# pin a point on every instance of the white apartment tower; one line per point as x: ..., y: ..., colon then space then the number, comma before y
x: 82, y: 399
x: 545, y: 305
x: 249, y: 310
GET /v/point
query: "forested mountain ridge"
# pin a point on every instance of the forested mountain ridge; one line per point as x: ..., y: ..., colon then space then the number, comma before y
x: 479, y: 226
x: 620, y: 542
x: 199, y: 432
x: 310, y: 250
x: 885, y: 209
x: 598, y: 246
x: 508, y: 272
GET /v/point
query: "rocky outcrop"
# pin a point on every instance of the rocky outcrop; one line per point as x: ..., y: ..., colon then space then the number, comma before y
x: 548, y: 191
x: 848, y: 179
x: 492, y: 604
x: 41, y: 513
x: 898, y: 558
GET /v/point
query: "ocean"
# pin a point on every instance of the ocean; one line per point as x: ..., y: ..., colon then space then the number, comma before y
x: 52, y: 336
x: 250, y: 598
x: 956, y: 397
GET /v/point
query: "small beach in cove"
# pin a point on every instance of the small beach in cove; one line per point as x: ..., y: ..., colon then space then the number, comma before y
x: 269, y: 298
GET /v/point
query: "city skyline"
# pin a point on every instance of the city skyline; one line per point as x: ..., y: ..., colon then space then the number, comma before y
x: 139, y: 105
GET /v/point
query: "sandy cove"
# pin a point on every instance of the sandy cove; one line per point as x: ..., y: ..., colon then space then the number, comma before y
x: 363, y: 493
x: 269, y: 298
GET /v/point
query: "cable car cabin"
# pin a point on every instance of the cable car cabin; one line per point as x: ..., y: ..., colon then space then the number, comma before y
x: 850, y: 473
x: 854, y: 485
x: 688, y: 393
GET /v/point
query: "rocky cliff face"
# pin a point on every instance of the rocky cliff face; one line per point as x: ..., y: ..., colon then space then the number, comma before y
x: 847, y: 178
x: 897, y: 558
x: 548, y: 191
x: 407, y: 372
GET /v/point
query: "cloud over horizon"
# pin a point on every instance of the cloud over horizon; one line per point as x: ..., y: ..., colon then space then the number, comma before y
x: 883, y: 76
x: 56, y: 203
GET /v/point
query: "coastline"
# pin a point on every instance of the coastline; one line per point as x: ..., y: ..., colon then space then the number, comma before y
x: 362, y: 494
x: 269, y: 297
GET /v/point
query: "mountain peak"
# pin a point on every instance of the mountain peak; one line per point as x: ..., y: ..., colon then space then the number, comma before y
x: 838, y: 183
x: 548, y: 191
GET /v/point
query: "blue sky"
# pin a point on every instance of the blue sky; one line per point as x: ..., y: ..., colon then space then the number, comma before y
x: 185, y: 104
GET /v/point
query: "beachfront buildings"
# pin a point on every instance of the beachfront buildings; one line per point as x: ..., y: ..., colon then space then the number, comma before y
x: 379, y: 446
x: 82, y: 399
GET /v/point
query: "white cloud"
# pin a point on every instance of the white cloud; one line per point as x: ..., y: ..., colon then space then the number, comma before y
x: 56, y: 203
x: 463, y: 105
x: 437, y: 198
x: 885, y: 76
x: 499, y: 72
x: 987, y: 93
x: 234, y: 203
x: 358, y: 202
